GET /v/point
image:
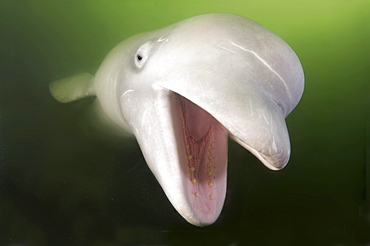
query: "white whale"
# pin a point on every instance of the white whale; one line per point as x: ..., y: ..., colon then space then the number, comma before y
x: 182, y: 90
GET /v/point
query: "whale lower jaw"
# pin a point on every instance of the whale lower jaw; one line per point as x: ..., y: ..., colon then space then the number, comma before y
x: 202, y: 144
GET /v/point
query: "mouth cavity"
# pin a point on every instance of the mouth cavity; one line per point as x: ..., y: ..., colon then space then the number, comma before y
x: 202, y: 146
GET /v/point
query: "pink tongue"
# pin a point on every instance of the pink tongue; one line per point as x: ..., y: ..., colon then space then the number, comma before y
x: 205, y: 147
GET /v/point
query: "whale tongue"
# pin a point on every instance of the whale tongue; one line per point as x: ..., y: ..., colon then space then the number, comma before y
x: 204, y: 144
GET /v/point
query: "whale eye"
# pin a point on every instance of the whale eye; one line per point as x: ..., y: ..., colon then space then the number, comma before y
x: 142, y: 54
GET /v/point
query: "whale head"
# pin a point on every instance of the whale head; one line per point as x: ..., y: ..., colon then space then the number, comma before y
x: 182, y: 90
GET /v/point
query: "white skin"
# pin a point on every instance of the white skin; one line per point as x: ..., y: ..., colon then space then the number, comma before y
x: 183, y: 89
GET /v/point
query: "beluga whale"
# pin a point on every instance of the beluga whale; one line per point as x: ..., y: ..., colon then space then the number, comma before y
x: 184, y: 89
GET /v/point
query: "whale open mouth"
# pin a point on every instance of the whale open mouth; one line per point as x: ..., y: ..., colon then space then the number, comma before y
x: 183, y: 136
x: 202, y: 147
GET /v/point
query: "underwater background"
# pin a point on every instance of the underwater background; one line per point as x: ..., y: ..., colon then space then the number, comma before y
x: 63, y: 182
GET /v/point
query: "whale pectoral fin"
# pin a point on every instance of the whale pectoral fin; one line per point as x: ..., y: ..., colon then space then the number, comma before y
x: 72, y: 88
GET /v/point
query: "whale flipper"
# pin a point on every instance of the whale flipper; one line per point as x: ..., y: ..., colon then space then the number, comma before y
x: 72, y: 88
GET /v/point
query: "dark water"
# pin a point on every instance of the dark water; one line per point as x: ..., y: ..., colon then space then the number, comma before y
x: 64, y: 182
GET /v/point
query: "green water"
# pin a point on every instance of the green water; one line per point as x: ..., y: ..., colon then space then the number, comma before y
x: 64, y: 183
